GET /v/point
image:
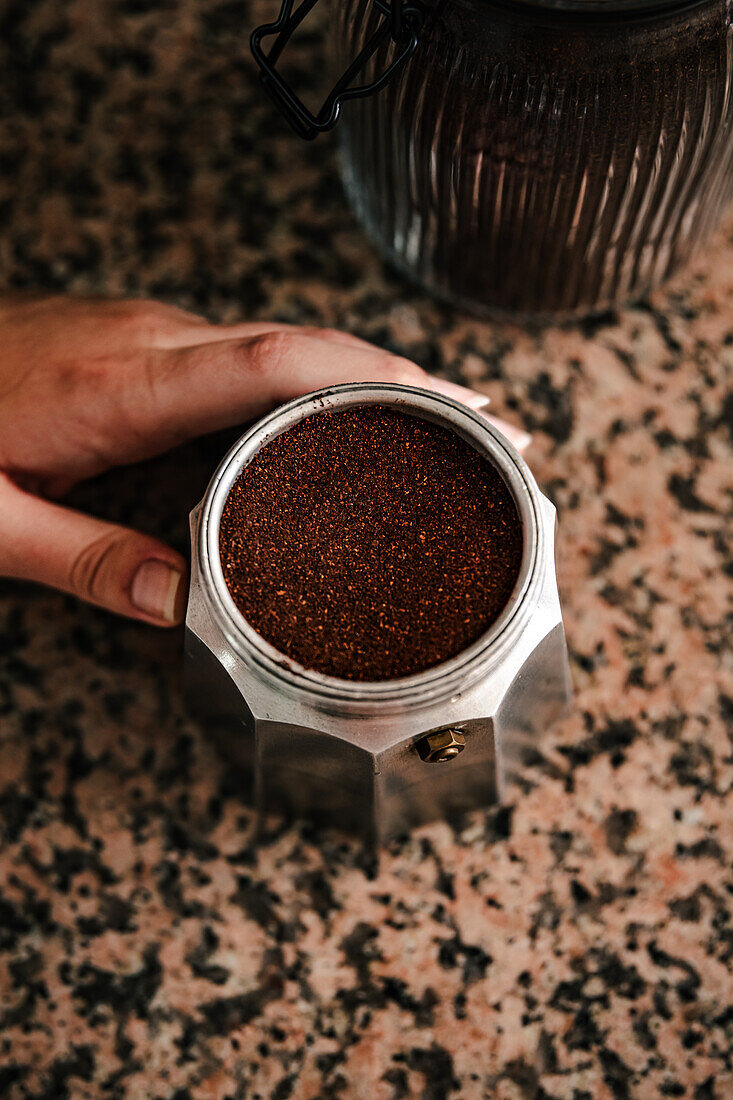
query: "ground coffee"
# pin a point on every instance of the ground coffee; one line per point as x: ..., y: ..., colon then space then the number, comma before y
x: 368, y: 544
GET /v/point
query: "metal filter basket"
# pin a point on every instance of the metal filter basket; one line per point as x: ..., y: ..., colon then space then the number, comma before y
x: 380, y: 757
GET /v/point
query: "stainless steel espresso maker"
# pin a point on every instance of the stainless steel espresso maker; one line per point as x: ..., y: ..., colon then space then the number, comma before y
x: 384, y: 756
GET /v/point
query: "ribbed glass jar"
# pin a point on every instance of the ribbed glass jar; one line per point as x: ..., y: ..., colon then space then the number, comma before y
x: 538, y: 160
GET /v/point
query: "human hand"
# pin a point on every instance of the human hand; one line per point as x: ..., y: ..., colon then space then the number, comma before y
x: 87, y: 384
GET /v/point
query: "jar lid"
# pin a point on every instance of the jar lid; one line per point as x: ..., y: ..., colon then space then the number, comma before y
x: 612, y: 7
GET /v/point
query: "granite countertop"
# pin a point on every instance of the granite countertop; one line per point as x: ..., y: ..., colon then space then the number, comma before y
x: 575, y: 943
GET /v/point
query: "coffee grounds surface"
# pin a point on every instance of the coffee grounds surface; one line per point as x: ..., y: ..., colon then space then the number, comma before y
x: 368, y: 544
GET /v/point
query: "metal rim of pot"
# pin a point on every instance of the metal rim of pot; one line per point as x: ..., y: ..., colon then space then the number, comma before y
x: 443, y: 681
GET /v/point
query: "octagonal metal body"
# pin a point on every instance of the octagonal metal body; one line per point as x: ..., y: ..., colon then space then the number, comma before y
x: 346, y: 753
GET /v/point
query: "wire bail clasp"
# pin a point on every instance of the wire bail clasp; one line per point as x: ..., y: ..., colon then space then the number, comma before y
x: 402, y: 21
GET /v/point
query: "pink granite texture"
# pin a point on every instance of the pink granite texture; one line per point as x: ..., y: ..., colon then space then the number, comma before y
x: 575, y: 944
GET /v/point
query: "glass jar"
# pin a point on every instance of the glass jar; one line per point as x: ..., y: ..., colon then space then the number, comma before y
x: 543, y: 161
x: 539, y: 157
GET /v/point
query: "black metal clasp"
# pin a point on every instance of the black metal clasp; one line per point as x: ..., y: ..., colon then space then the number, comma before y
x: 402, y: 22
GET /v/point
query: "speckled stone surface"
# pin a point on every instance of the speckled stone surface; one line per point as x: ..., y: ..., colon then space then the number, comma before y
x: 575, y: 943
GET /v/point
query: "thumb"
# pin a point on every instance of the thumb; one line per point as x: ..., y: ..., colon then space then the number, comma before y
x: 118, y: 569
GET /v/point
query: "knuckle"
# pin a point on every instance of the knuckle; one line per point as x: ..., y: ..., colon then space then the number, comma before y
x: 268, y: 351
x: 144, y: 318
x: 90, y: 570
x: 150, y: 307
x: 407, y: 373
x: 332, y: 334
x: 145, y: 305
x: 138, y: 311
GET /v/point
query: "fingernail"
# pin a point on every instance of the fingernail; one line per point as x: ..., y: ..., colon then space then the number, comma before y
x: 157, y: 591
x: 468, y: 397
x: 517, y: 436
x: 478, y: 401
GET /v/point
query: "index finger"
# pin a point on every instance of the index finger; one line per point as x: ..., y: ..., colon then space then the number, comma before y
x: 189, y: 391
